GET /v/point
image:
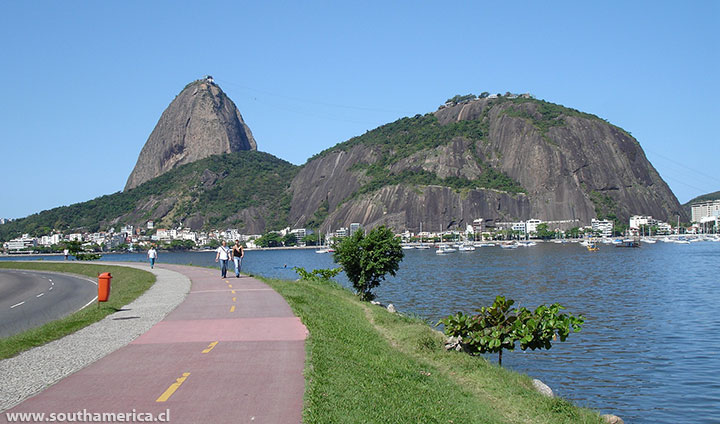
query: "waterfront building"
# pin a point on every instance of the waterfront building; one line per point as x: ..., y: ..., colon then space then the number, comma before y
x: 300, y: 233
x: 21, y: 242
x: 636, y: 221
x: 604, y: 227
x: 342, y: 232
x: 531, y: 225
x: 709, y: 209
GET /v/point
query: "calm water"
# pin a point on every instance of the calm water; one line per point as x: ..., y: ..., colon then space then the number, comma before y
x: 649, y: 351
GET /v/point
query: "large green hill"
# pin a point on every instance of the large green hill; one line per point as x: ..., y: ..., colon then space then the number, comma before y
x: 246, y: 190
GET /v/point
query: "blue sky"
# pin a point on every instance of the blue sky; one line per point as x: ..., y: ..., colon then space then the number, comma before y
x: 86, y: 82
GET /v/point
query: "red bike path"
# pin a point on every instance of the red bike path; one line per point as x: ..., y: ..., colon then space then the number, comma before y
x: 232, y: 352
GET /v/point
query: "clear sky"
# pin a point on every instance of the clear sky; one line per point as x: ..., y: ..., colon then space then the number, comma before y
x: 84, y: 83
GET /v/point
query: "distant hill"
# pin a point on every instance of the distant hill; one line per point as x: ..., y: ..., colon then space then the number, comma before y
x: 246, y: 190
x: 504, y: 158
x: 704, y: 198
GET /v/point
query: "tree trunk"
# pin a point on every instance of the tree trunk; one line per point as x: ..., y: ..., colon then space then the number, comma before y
x: 500, y: 358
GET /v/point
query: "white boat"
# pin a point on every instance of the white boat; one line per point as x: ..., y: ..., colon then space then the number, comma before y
x: 444, y: 248
x: 648, y: 240
x: 509, y: 245
x: 527, y: 243
x: 322, y: 251
x: 407, y: 247
x: 466, y: 248
x: 483, y: 244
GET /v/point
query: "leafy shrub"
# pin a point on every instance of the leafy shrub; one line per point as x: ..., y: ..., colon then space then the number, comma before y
x: 496, y: 328
x: 317, y: 274
x: 366, y: 259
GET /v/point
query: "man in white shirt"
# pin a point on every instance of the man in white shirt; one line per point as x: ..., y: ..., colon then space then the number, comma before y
x: 223, y: 254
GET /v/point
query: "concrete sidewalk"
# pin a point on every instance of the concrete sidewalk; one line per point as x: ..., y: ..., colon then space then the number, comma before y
x: 232, y: 352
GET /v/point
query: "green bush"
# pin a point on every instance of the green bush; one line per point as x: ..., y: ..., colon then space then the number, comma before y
x: 366, y: 259
x: 496, y: 328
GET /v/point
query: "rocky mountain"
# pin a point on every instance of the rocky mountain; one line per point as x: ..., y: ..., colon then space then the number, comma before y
x: 201, y: 121
x: 500, y: 158
x: 246, y: 190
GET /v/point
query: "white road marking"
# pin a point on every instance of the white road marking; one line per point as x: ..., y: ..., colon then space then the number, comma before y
x: 50, y: 288
x: 41, y: 294
x: 50, y: 279
x: 17, y: 304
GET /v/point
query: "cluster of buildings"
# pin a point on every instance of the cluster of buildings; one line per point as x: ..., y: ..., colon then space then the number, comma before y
x: 705, y: 217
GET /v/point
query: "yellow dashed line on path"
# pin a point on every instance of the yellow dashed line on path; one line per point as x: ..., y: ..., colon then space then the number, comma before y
x: 234, y: 299
x: 232, y: 291
x: 230, y: 285
x: 232, y: 308
x: 210, y: 347
x: 170, y: 390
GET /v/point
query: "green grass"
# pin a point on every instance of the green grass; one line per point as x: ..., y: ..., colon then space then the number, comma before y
x: 365, y: 365
x: 127, y: 284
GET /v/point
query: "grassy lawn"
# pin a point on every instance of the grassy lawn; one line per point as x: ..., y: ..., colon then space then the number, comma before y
x: 365, y: 365
x: 127, y: 285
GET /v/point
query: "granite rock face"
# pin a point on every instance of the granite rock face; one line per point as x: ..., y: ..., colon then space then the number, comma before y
x: 572, y: 166
x: 200, y: 122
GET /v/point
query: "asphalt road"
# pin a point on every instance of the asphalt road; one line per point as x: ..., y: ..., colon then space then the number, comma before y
x: 29, y: 299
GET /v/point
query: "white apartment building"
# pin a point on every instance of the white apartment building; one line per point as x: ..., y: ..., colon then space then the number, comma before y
x: 519, y: 226
x: 604, y: 227
x: 531, y: 225
x: 636, y: 221
x: 21, y: 242
x: 300, y: 233
x: 705, y: 210
x: 50, y: 240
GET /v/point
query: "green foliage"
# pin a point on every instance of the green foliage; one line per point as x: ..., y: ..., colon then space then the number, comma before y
x: 544, y: 232
x: 217, y: 187
x: 497, y: 327
x: 605, y: 206
x: 319, y: 217
x: 366, y: 259
x: 290, y: 239
x: 79, y: 252
x: 270, y: 239
x: 459, y: 99
x: 180, y: 245
x: 311, y: 239
x: 321, y: 274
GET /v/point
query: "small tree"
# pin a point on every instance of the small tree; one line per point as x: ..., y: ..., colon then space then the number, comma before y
x: 366, y: 259
x: 497, y: 328
x: 290, y: 239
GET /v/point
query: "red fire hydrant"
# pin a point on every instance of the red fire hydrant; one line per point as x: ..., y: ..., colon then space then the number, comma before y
x: 104, y: 286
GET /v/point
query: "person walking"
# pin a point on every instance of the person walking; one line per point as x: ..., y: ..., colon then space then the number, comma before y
x: 66, y: 252
x: 152, y: 256
x: 223, y: 254
x: 237, y: 254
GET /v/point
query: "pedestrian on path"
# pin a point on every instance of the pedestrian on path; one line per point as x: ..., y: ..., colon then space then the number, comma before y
x: 66, y: 252
x: 152, y: 255
x: 237, y: 254
x: 223, y: 254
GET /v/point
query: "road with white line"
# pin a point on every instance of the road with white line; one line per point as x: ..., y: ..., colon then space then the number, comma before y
x: 31, y: 298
